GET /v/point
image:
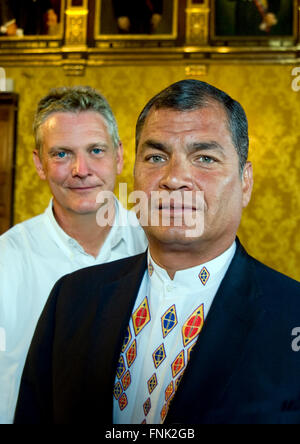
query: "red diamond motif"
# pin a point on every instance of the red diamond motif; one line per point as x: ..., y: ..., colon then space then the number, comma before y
x: 131, y: 354
x: 178, y: 364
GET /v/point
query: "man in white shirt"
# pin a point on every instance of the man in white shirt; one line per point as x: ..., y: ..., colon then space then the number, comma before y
x: 79, y: 154
x: 196, y: 331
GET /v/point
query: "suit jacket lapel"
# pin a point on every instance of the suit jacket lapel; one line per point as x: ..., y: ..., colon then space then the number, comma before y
x: 233, y: 314
x: 110, y: 326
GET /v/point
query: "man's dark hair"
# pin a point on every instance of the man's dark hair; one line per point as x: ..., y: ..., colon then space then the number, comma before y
x: 190, y: 95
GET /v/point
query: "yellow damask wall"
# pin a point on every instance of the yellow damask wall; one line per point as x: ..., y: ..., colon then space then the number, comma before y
x: 270, y: 228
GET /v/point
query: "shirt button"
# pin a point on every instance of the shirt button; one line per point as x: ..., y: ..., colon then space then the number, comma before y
x: 169, y: 288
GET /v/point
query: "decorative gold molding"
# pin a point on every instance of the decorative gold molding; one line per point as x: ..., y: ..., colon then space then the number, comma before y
x: 196, y: 70
x: 74, y: 69
x: 197, y: 23
x: 76, y: 27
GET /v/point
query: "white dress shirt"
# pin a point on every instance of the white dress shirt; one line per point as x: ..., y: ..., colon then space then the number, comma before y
x: 33, y: 256
x: 166, y: 321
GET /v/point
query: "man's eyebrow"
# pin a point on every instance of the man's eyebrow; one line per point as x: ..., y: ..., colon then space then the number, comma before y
x: 56, y: 148
x: 201, y: 146
x: 150, y: 143
x: 191, y: 148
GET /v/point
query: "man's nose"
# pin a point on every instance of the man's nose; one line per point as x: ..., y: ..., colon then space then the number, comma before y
x: 80, y: 166
x: 177, y: 175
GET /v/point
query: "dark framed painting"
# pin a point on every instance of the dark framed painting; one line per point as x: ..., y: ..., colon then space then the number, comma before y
x: 22, y: 20
x: 136, y: 19
x: 254, y: 19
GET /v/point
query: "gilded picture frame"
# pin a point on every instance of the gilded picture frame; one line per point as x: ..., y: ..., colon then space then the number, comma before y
x: 40, y: 41
x: 106, y: 27
x: 241, y: 21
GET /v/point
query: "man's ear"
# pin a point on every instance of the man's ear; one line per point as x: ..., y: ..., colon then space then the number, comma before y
x: 38, y: 165
x: 247, y: 183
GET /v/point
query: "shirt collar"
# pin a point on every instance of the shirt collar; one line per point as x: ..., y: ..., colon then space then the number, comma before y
x: 201, y: 276
x: 69, y: 244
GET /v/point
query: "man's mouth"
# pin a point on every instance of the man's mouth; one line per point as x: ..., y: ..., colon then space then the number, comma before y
x: 176, y: 208
x: 82, y: 189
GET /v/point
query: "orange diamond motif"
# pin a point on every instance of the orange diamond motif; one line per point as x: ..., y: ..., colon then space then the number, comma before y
x: 123, y: 401
x: 131, y: 354
x: 126, y: 380
x: 169, y: 391
x: 178, y: 364
x: 164, y: 412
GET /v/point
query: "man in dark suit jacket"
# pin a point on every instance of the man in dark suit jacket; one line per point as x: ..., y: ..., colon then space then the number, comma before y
x: 242, y: 366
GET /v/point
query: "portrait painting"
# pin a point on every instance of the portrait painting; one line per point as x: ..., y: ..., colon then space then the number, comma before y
x: 136, y: 19
x: 31, y: 18
x: 254, y: 18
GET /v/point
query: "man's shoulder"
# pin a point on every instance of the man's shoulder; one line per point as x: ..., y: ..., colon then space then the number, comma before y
x: 107, y: 273
x: 15, y: 236
x: 271, y: 278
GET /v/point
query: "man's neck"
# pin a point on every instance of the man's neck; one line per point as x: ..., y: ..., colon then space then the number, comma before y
x: 84, y: 228
x: 176, y: 258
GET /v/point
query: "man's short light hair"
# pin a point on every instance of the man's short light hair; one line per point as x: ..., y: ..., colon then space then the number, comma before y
x: 74, y: 100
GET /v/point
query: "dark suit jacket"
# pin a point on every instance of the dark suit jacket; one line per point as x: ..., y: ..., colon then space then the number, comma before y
x: 242, y: 370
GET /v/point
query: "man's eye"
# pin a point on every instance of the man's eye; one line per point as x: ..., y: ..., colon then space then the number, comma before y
x: 155, y: 159
x: 205, y: 159
x: 61, y: 155
x: 97, y: 150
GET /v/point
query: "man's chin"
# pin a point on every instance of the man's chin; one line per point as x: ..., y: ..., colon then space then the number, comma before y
x: 174, y: 235
x: 84, y: 208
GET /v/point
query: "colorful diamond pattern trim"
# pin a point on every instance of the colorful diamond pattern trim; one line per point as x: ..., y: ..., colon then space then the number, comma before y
x: 164, y: 412
x: 127, y: 339
x: 117, y: 390
x: 204, y: 275
x: 147, y: 406
x: 121, y: 367
x: 169, y: 321
x: 159, y: 355
x: 131, y: 354
x: 123, y: 401
x: 192, y: 326
x: 126, y: 380
x: 169, y: 391
x: 178, y: 364
x: 141, y: 317
x: 152, y: 383
x: 150, y: 269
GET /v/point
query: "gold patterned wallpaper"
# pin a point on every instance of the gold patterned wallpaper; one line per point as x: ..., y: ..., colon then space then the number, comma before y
x: 270, y: 228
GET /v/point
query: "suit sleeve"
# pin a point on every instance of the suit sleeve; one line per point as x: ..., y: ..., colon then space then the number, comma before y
x: 34, y: 404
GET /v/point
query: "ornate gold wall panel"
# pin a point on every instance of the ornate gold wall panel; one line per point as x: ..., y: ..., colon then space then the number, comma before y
x: 197, y: 23
x: 270, y: 228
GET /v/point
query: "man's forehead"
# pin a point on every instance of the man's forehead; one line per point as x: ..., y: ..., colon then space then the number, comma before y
x: 209, y: 115
x: 167, y: 122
